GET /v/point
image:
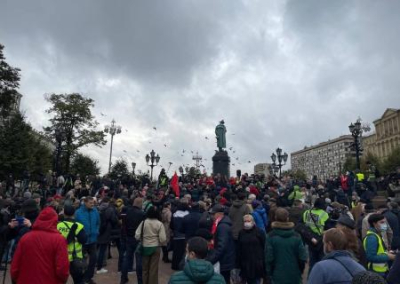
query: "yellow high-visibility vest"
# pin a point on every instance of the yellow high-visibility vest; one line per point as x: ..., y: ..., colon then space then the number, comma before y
x: 64, y: 228
x: 376, y: 267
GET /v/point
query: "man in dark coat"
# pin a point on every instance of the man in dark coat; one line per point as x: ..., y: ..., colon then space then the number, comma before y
x: 191, y: 221
x: 131, y: 217
x: 108, y: 220
x: 224, y: 246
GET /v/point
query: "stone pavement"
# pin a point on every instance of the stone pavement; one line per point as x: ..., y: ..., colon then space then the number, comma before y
x: 112, y: 277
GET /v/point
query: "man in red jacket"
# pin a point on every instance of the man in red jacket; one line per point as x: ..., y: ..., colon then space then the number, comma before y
x: 41, y: 256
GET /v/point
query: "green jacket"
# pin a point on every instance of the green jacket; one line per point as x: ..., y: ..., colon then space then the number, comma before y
x: 197, y: 271
x: 285, y: 255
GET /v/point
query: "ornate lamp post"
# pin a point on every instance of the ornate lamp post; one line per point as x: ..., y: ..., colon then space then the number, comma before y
x: 281, y: 158
x: 356, y: 131
x: 152, y: 161
x: 112, y: 129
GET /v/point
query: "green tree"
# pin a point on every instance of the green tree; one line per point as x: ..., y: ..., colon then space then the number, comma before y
x: 297, y: 174
x: 9, y: 83
x: 21, y: 149
x: 392, y: 161
x: 74, y: 120
x: 349, y: 164
x: 84, y: 165
x: 119, y: 170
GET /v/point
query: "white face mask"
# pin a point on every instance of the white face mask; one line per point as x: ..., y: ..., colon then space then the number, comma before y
x: 384, y: 227
x: 248, y: 225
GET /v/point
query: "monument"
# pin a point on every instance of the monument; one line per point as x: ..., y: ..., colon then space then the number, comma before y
x: 221, y: 160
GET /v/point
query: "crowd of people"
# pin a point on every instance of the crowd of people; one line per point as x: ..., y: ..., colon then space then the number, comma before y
x: 210, y: 229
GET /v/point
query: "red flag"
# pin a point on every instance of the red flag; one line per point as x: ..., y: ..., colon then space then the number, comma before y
x: 175, y: 185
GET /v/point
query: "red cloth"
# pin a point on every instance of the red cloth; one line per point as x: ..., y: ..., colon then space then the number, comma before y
x: 175, y: 185
x: 343, y: 182
x: 213, y: 231
x: 41, y: 256
x: 254, y: 190
x: 223, y: 201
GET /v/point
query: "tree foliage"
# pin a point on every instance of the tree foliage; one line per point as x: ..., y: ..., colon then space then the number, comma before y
x: 73, y: 119
x: 9, y: 84
x: 84, y: 166
x: 119, y: 170
x: 297, y: 174
x: 392, y: 161
x: 22, y: 150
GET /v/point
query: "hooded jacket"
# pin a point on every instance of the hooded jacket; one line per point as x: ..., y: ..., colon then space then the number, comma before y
x: 236, y: 212
x: 260, y: 218
x: 41, y: 256
x: 285, y: 255
x: 197, y: 271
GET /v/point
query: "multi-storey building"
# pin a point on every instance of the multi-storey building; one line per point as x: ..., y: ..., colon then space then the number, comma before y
x: 325, y: 159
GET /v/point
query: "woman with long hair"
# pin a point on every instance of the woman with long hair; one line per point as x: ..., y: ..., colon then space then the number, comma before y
x: 151, y: 234
x: 354, y: 245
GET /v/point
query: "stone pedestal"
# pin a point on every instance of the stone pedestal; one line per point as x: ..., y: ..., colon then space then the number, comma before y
x: 221, y: 163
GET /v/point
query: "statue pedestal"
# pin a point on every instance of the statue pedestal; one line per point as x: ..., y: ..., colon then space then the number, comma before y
x: 221, y: 163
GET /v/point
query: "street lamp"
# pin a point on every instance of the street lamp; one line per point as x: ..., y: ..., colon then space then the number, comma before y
x: 280, y: 158
x: 112, y: 129
x: 152, y: 161
x: 133, y: 168
x: 356, y: 131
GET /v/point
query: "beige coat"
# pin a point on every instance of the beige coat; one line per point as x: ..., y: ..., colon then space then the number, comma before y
x: 166, y: 216
x: 153, y: 233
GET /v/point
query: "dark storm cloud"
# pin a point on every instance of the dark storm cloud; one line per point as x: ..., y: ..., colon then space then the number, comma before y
x: 281, y: 73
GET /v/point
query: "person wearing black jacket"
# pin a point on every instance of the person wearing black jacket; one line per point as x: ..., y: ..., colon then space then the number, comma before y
x: 191, y: 222
x: 131, y: 217
x: 224, y: 246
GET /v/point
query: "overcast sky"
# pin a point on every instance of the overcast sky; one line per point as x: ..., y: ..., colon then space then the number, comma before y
x: 280, y: 73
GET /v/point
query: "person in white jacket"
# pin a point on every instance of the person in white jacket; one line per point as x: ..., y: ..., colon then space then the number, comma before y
x: 151, y: 234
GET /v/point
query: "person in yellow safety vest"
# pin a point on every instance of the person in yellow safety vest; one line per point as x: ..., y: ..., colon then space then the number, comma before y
x: 360, y: 177
x: 75, y: 235
x: 315, y: 219
x: 374, y: 246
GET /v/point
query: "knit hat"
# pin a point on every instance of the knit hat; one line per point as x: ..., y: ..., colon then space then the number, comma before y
x: 346, y: 221
x: 368, y: 277
x: 29, y: 205
x: 27, y: 194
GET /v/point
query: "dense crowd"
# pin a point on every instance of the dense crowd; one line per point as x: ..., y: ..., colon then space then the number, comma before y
x: 211, y: 229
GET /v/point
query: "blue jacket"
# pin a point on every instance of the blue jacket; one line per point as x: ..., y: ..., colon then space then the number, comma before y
x: 90, y: 219
x: 260, y: 218
x: 335, y: 267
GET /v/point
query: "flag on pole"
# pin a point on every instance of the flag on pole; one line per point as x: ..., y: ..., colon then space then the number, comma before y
x: 175, y: 185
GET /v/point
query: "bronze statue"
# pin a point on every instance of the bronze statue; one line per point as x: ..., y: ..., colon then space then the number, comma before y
x: 220, y: 131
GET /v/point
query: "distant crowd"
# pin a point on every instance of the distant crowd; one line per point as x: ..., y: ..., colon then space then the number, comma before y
x: 211, y: 229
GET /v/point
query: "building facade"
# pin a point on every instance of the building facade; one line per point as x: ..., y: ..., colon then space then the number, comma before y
x: 263, y: 169
x: 387, y: 134
x: 325, y: 159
